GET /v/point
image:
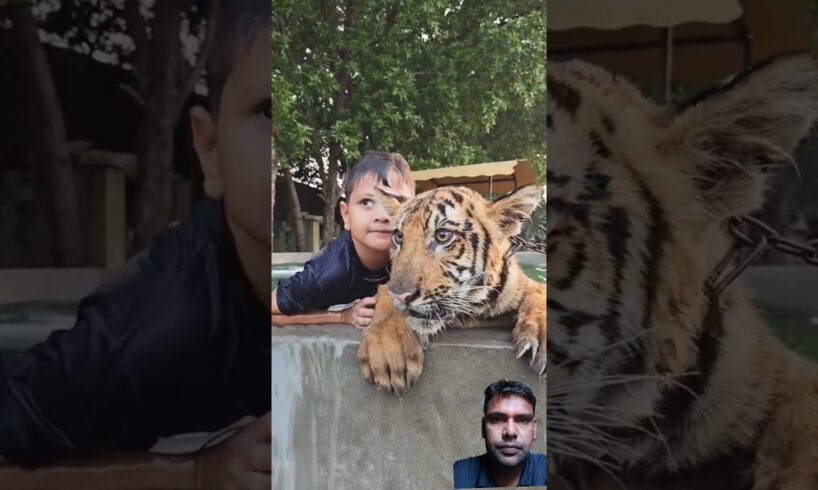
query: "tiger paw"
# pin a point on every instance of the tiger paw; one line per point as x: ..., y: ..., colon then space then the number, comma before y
x: 391, y: 357
x: 530, y: 336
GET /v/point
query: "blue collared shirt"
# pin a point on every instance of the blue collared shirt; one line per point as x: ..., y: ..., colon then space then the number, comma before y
x: 471, y: 472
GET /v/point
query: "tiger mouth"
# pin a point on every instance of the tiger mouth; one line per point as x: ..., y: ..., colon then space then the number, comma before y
x: 431, y: 314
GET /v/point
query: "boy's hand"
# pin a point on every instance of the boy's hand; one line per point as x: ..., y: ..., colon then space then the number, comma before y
x: 360, y: 314
x: 243, y: 462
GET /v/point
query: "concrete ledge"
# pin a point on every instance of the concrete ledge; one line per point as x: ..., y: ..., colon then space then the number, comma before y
x: 48, y: 285
x: 335, y: 431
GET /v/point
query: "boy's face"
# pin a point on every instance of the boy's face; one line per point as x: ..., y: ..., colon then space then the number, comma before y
x: 234, y: 148
x: 367, y: 221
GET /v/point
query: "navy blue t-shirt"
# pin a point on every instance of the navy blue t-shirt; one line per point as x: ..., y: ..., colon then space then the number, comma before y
x: 334, y: 276
x: 176, y: 342
x: 471, y: 472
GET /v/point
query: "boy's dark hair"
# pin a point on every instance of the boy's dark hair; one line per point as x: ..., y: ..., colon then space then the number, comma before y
x: 379, y: 163
x: 505, y: 387
x: 236, y: 29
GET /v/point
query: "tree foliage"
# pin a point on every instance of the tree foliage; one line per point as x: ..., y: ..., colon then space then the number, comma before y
x: 443, y: 82
x: 164, y: 44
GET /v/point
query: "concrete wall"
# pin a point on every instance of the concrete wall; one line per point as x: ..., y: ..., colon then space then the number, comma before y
x: 332, y: 430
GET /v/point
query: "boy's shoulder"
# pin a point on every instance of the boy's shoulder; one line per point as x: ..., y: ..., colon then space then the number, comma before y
x: 177, y: 276
x: 333, y: 263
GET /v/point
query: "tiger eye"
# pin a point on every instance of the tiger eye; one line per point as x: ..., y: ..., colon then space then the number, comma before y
x: 443, y: 236
x: 397, y: 238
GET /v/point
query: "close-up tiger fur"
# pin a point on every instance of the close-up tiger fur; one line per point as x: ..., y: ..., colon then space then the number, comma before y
x: 656, y: 382
x: 450, y: 267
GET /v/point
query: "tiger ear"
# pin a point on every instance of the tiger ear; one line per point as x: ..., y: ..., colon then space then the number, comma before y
x: 511, y: 210
x: 390, y: 201
x: 733, y: 133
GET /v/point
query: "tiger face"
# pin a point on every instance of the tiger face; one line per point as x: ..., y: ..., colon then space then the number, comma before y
x: 447, y: 253
x: 638, y: 196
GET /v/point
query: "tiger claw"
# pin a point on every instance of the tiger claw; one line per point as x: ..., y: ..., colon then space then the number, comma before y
x: 523, y: 349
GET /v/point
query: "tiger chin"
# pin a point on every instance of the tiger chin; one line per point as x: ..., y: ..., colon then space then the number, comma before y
x: 449, y: 268
x: 656, y: 383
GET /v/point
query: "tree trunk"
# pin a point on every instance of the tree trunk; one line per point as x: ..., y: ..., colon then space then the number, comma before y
x: 331, y: 194
x: 295, y: 212
x: 273, y: 198
x: 154, y: 174
x: 48, y: 140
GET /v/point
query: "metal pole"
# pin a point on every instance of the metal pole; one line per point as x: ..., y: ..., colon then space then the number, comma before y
x: 667, y: 55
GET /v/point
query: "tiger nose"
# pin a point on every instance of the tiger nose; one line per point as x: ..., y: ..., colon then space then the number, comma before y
x: 404, y: 296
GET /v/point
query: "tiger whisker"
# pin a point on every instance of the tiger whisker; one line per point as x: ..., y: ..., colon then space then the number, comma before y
x: 608, y: 468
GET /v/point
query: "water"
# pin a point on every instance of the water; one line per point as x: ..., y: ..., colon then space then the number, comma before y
x: 798, y: 329
x: 24, y: 324
x: 283, y: 271
x: 535, y: 271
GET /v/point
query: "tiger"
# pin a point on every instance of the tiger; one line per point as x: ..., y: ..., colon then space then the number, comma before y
x: 450, y: 266
x: 655, y: 380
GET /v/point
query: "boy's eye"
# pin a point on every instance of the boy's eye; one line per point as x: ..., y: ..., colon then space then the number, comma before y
x: 366, y: 202
x: 443, y: 236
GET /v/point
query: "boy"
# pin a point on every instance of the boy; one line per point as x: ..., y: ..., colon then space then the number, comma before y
x: 179, y: 341
x: 352, y: 266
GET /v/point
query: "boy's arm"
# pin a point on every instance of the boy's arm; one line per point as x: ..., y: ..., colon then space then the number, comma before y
x: 311, y: 318
x: 121, y: 471
x: 358, y: 315
x: 274, y: 304
x: 243, y: 458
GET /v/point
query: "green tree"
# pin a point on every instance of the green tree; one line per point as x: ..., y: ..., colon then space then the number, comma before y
x: 443, y: 82
x: 163, y: 44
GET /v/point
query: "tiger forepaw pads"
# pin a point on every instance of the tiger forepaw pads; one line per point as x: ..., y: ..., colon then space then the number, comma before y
x: 391, y: 358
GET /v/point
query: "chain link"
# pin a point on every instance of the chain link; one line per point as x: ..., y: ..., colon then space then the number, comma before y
x: 806, y: 251
x: 760, y: 238
x: 518, y: 242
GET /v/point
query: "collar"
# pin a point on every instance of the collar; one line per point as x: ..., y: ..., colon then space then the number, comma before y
x: 484, y: 480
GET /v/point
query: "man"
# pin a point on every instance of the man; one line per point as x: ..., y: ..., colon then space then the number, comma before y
x: 509, y: 428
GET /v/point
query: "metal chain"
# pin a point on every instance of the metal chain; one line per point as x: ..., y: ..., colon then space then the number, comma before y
x: 806, y: 251
x: 518, y: 242
x: 760, y: 238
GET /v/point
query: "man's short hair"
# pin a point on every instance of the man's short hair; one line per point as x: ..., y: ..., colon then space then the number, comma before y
x: 505, y: 387
x: 236, y: 29
x: 380, y: 163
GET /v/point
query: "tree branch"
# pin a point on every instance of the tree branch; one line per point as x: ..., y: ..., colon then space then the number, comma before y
x: 136, y: 26
x: 389, y: 22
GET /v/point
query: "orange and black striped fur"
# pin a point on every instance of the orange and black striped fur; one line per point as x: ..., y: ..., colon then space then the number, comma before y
x: 655, y: 383
x: 448, y: 261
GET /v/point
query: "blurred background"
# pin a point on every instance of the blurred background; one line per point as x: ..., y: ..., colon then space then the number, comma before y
x: 95, y: 146
x: 675, y: 48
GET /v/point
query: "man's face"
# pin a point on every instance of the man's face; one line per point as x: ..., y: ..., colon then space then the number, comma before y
x: 510, y: 429
x: 367, y: 220
x: 235, y: 146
